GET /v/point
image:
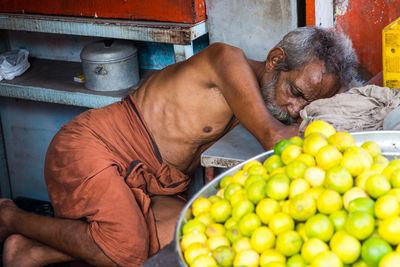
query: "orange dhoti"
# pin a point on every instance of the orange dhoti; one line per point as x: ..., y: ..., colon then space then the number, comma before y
x: 103, y: 166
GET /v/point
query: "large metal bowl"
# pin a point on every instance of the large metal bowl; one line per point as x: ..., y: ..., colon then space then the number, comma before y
x: 389, y: 142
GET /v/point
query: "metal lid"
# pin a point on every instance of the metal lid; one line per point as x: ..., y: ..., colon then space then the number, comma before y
x: 108, y: 51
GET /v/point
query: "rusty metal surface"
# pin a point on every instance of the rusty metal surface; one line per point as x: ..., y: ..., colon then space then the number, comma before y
x: 173, y: 33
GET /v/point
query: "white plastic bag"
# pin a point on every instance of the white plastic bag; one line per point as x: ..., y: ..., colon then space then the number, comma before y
x: 13, y: 63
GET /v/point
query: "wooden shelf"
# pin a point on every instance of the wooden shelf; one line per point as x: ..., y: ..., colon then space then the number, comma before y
x: 173, y: 33
x: 52, y: 81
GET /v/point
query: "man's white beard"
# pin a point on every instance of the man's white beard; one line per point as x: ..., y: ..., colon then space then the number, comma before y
x: 268, y: 92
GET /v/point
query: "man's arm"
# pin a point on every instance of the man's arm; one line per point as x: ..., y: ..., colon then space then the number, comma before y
x: 238, y: 83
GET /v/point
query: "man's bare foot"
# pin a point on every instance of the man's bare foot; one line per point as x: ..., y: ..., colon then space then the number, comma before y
x: 6, y: 207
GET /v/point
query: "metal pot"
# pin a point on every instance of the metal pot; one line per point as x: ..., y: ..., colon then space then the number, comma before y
x: 110, y: 65
x: 388, y: 141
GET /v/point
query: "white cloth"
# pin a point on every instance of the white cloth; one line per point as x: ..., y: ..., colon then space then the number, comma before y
x: 13, y: 63
x: 359, y: 109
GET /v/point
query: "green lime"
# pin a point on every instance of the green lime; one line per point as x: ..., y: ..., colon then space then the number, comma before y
x: 224, y: 255
x: 273, y: 163
x: 256, y: 191
x: 338, y: 219
x: 279, y: 146
x: 360, y: 224
x: 339, y: 179
x: 364, y: 204
x: 241, y: 208
x: 373, y: 250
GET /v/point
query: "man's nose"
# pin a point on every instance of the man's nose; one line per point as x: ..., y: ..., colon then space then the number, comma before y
x: 295, y: 108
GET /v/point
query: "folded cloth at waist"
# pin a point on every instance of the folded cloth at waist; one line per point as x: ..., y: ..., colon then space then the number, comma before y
x: 103, y: 166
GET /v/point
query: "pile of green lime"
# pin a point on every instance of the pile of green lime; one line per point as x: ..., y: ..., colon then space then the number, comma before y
x: 318, y: 201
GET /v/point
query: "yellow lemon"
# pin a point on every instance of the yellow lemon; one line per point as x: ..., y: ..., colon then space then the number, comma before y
x: 250, y: 164
x: 278, y: 186
x: 390, y: 260
x: 278, y: 170
x: 297, y: 140
x: 267, y: 208
x: 328, y: 156
x: 193, y: 237
x: 216, y: 241
x: 346, y: 247
x: 256, y: 191
x: 272, y: 163
x: 205, y: 218
x: 356, y: 160
x: 230, y: 189
x: 285, y: 205
x: 215, y: 229
x: 381, y: 159
x: 296, y: 261
x: 256, y: 169
x: 386, y: 206
x: 360, y: 224
x: 289, y: 243
x: 290, y: 153
x: 241, y: 208
x: 248, y: 223
x: 271, y: 255
x: 225, y: 181
x: 204, y: 260
x: 353, y: 193
x: 338, y: 219
x: 321, y: 127
x: 298, y: 186
x: 372, y: 148
x: 193, y: 225
x: 315, y: 176
x: 389, y: 170
x: 201, y: 205
x: 312, y: 247
x: 240, y: 177
x: 195, y: 250
x: 214, y: 198
x: 329, y: 201
x: 243, y: 243
x: 339, y: 179
x: 394, y: 192
x: 224, y: 255
x: 364, y: 204
x: 295, y: 169
x: 395, y: 178
x: 308, y: 159
x: 316, y: 191
x: 313, y: 143
x: 281, y: 222
x: 326, y: 259
x: 342, y: 140
x: 395, y: 162
x: 389, y: 229
x: 238, y: 196
x: 302, y: 206
x: 362, y: 178
x: 377, y: 185
x: 319, y: 226
x: 262, y: 239
x: 301, y: 229
x: 281, y: 145
x: 221, y: 210
x: 248, y: 258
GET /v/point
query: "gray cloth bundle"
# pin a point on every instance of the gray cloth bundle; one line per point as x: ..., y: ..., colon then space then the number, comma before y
x: 359, y: 109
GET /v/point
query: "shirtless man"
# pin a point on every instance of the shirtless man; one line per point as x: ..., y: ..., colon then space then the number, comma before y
x: 187, y: 107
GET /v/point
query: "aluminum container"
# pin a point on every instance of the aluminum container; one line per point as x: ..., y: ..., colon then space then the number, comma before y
x: 110, y: 65
x: 388, y: 141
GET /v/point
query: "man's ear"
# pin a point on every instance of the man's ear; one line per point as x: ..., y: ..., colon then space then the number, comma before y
x: 275, y: 56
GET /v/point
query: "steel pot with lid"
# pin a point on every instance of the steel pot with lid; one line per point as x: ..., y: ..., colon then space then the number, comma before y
x: 110, y: 65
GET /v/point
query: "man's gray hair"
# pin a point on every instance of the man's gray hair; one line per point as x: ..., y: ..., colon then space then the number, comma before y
x: 305, y: 44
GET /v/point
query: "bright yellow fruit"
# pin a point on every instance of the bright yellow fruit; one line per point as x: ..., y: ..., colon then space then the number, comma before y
x: 356, y: 160
x: 201, y: 205
x: 315, y: 176
x: 194, y: 250
x: 346, y: 247
x: 362, y: 178
x: 216, y: 241
x: 289, y: 243
x: 312, y: 247
x: 321, y: 127
x: 313, y: 143
x: 386, y: 206
x: 353, y: 193
x: 271, y: 255
x: 329, y: 201
x: 262, y: 239
x: 326, y: 259
x: 248, y: 258
x: 327, y: 157
x: 295, y: 169
x: 302, y: 206
x: 389, y: 229
x: 298, y: 186
x: 281, y: 222
x: 240, y: 177
x: 215, y: 229
x: 204, y: 260
x: 250, y: 164
x: 372, y: 148
x: 242, y: 243
x: 308, y: 159
x: 377, y: 185
x: 390, y: 260
x: 266, y: 208
x: 290, y: 153
x: 193, y: 237
x: 342, y: 140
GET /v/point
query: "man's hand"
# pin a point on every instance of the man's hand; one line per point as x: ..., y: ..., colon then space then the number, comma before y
x: 284, y: 132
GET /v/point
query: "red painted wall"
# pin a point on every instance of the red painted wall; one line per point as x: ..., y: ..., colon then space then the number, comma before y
x: 184, y: 11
